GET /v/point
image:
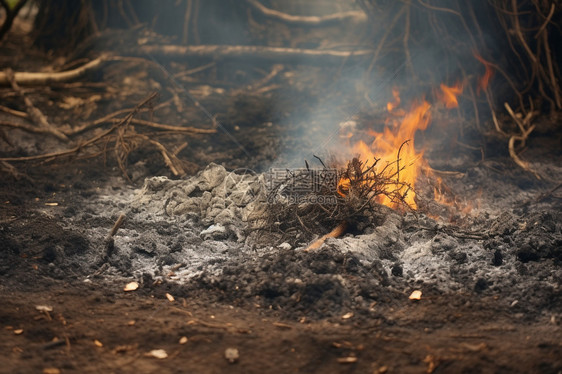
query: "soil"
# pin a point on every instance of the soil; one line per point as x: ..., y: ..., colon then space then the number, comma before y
x: 217, y: 299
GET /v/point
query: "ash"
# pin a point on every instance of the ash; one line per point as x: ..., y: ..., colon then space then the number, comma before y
x: 193, y: 233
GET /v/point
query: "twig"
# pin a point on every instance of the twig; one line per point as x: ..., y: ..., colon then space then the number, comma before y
x: 554, y: 84
x: 161, y: 126
x: 338, y: 231
x: 277, y: 54
x: 405, y: 39
x: 14, y: 112
x: 109, y: 243
x: 194, y: 70
x: 548, y: 193
x: 169, y: 158
x: 34, y: 114
x: 88, y: 142
x: 523, y: 164
x: 28, y: 79
x: 187, y: 17
x: 311, y: 21
x: 547, y: 20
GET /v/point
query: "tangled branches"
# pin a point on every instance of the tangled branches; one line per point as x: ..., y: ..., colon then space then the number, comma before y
x: 304, y: 203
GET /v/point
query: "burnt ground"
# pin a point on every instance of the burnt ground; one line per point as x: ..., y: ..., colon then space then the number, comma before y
x: 491, y: 279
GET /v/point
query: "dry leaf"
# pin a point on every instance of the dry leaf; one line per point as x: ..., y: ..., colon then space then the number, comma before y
x: 51, y: 371
x: 18, y: 331
x: 44, y: 308
x: 347, y: 315
x: 98, y: 343
x: 183, y: 340
x: 158, y: 353
x: 415, y: 295
x: 170, y: 297
x: 347, y: 360
x: 131, y: 286
x: 231, y: 355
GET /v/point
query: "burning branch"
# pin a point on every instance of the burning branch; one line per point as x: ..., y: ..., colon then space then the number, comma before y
x: 345, y: 197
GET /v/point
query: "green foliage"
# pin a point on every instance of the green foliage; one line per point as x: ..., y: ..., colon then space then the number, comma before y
x: 12, y: 3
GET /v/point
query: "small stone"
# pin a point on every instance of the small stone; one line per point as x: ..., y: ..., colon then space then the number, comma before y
x: 231, y: 355
x: 285, y: 246
x: 183, y: 340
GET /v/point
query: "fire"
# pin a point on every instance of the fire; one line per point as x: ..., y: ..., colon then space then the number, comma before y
x: 396, y: 142
x: 484, y: 80
x: 448, y: 95
x: 398, y: 160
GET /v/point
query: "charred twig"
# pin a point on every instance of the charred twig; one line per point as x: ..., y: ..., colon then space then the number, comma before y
x: 86, y: 143
x: 310, y: 200
x: 549, y: 193
x: 33, y: 112
x: 109, y: 243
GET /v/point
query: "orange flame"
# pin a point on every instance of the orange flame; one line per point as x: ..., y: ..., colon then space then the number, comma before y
x: 449, y: 95
x: 396, y: 142
x: 484, y: 80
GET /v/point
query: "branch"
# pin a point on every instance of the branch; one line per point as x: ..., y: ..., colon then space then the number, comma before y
x: 338, y: 231
x: 28, y: 79
x: 276, y: 54
x: 311, y: 21
x: 33, y: 112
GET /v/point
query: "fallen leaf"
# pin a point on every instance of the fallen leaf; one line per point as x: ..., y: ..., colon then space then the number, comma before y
x: 131, y: 286
x: 51, y: 371
x: 183, y: 340
x: 347, y: 360
x: 158, y: 353
x: 18, y: 331
x: 44, y: 308
x: 170, y: 297
x: 231, y: 355
x: 347, y: 315
x: 415, y: 295
x: 98, y: 343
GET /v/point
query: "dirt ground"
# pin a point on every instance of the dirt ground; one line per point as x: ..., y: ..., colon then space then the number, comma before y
x: 491, y: 283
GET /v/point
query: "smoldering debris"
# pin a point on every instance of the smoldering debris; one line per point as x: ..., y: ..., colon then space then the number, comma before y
x: 193, y: 233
